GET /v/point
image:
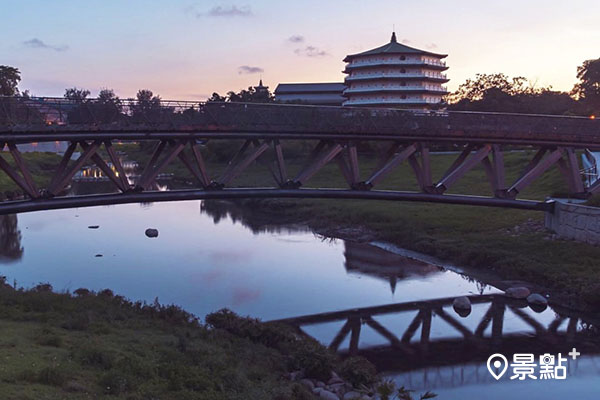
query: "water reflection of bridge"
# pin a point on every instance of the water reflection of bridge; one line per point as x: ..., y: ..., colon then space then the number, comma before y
x: 473, y: 340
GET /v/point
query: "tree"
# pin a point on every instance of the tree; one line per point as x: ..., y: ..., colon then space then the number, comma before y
x: 9, y: 80
x: 107, y: 107
x: 216, y: 97
x: 147, y: 108
x: 587, y: 90
x: 77, y: 95
x: 498, y: 92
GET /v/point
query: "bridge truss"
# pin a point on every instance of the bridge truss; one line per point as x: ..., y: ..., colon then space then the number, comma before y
x: 180, y: 131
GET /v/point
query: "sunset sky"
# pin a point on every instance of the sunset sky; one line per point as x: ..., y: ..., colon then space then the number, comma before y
x: 187, y: 49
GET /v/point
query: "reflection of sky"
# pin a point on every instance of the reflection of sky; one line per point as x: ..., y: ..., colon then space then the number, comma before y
x: 202, y: 266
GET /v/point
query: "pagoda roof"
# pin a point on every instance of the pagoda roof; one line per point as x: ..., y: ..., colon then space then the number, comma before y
x: 393, y: 47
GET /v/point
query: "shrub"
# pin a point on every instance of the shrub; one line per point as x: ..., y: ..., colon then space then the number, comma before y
x: 96, y: 357
x: 358, y: 371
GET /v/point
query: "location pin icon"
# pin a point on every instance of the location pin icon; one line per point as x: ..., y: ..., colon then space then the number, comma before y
x: 497, y: 362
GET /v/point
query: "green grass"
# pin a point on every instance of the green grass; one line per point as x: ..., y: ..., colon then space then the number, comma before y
x: 123, y: 350
x: 40, y: 165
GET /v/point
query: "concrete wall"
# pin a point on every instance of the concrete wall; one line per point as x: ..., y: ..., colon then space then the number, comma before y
x: 573, y: 221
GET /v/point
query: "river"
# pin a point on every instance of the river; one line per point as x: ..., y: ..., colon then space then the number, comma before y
x: 206, y: 258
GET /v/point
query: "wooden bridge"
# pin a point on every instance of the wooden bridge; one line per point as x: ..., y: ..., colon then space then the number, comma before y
x: 180, y: 131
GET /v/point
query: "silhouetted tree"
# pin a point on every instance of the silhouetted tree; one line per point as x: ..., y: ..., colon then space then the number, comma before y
x: 588, y: 88
x: 9, y: 80
x: 107, y: 107
x: 216, y: 97
x: 249, y: 95
x: 498, y: 92
x: 79, y: 112
x: 147, y: 108
x: 77, y: 95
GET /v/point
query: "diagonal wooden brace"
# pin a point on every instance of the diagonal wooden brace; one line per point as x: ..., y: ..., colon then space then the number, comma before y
x: 151, y: 176
x: 200, y: 164
x: 392, y: 162
x: 465, y: 166
x: 61, y: 182
x: 237, y: 168
x: 33, y: 191
x: 106, y: 169
x: 321, y: 159
x: 116, y: 161
x: 62, y: 166
x: 153, y: 159
x: 16, y: 178
x: 534, y: 171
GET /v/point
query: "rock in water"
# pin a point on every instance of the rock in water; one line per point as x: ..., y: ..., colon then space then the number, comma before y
x: 537, y: 302
x: 519, y: 292
x: 462, y: 306
x: 93, y: 226
x: 151, y: 232
x: 326, y: 394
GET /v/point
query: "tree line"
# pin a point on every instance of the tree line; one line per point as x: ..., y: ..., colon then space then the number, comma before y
x: 485, y: 92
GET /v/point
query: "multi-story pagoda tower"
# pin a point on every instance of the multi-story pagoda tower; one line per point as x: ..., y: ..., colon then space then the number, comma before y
x: 395, y: 75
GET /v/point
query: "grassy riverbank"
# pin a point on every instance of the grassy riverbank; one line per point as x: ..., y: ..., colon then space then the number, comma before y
x: 88, y: 345
x: 40, y: 165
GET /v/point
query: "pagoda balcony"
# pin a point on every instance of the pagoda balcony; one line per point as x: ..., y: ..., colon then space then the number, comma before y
x: 440, y: 65
x: 398, y: 88
x: 390, y: 102
x: 397, y: 75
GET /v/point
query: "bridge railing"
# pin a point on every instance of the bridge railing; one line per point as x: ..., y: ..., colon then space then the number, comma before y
x: 35, y: 114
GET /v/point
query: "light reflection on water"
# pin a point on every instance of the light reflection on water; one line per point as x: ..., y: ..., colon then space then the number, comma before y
x: 211, y: 259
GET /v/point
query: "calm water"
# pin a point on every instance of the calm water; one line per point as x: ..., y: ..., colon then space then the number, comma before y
x: 204, y: 260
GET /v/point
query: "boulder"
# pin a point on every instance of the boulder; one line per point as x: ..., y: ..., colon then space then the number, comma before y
x: 462, y: 306
x: 308, y: 383
x: 352, y: 396
x: 537, y: 302
x: 151, y: 232
x: 93, y: 226
x: 518, y: 292
x: 326, y: 394
x: 538, y: 299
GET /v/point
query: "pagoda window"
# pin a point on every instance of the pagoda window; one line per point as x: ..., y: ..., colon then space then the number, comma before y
x: 403, y: 71
x: 403, y: 83
x: 403, y: 58
x: 403, y: 97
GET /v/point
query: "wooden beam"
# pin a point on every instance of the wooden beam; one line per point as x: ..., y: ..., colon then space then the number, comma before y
x: 200, y: 164
x: 320, y: 161
x: 63, y: 163
x: 153, y: 159
x: 353, y: 158
x: 114, y: 159
x: 106, y: 169
x: 534, y: 172
x: 76, y: 166
x: 280, y: 161
x: 151, y: 176
x: 463, y: 168
x: 16, y: 178
x: 412, y: 327
x: 340, y: 336
x: 394, y: 161
x: 355, y: 335
x: 33, y: 191
x: 239, y: 167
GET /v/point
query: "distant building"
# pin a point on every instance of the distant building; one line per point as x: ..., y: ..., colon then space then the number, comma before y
x: 261, y: 88
x: 395, y: 75
x: 323, y: 94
